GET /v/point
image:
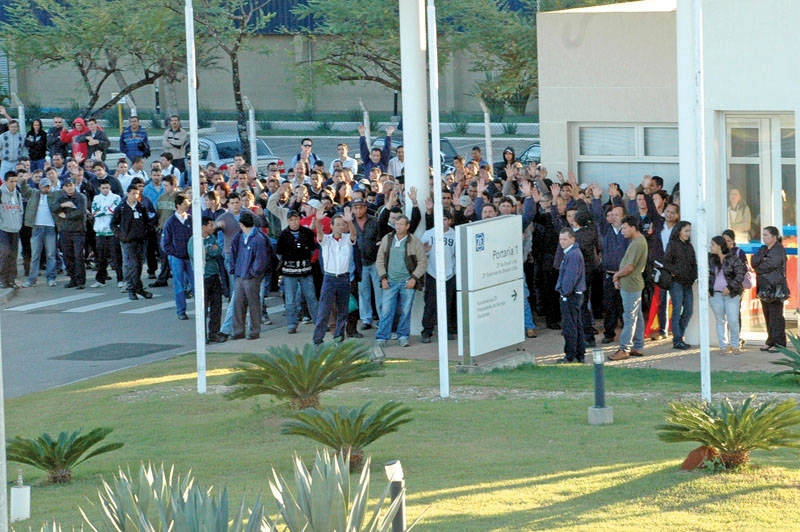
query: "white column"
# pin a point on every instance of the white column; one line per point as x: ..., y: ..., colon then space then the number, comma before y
x: 197, y: 205
x: 415, y: 98
x: 3, y: 476
x: 692, y: 137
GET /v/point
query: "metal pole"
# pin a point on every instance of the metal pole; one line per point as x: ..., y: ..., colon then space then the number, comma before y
x: 487, y: 131
x: 251, y: 131
x: 20, y: 113
x: 599, y: 379
x: 396, y: 490
x: 3, y: 477
x: 702, y: 230
x: 438, y: 227
x: 197, y: 205
x: 365, y: 119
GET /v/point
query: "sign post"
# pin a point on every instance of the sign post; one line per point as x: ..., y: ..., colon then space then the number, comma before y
x: 489, y: 286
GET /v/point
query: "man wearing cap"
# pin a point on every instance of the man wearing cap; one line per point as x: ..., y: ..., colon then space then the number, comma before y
x: 368, y: 238
x: 251, y: 259
x: 131, y: 225
x: 296, y: 246
x: 69, y: 208
x: 337, y: 261
x: 40, y: 219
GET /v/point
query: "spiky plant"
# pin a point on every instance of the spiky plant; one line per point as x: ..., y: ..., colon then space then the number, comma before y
x: 733, y: 429
x: 301, y: 377
x: 157, y: 499
x: 325, y: 499
x: 347, y: 431
x: 58, y: 457
x: 792, y: 360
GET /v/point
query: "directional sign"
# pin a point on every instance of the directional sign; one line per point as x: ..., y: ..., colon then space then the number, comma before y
x: 493, y: 317
x: 490, y: 252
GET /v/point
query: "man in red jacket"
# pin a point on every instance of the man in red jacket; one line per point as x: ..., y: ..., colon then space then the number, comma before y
x: 77, y: 147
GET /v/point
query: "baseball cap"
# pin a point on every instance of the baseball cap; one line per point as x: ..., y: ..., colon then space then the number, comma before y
x: 314, y: 203
x: 45, y: 182
x: 69, y: 181
x: 292, y: 214
x: 357, y: 201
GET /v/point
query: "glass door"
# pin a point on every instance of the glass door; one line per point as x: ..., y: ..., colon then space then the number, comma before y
x: 760, y: 191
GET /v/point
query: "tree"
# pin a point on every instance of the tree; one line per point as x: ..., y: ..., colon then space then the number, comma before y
x: 224, y: 25
x: 134, y: 43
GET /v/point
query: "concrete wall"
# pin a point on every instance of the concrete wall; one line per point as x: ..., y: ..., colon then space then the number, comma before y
x: 266, y: 78
x: 603, y: 66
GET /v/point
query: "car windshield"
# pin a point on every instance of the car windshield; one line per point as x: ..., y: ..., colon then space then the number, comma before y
x: 227, y: 150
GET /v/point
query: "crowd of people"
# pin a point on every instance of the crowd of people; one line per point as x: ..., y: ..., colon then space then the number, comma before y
x: 338, y: 239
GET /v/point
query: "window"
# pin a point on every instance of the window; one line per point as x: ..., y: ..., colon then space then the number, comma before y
x: 623, y: 153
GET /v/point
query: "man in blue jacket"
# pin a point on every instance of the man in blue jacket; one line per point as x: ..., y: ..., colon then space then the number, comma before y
x: 134, y: 142
x: 571, y: 285
x: 251, y: 259
x: 174, y: 241
x: 375, y: 158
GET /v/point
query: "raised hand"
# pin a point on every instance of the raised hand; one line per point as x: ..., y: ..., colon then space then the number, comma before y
x: 555, y: 190
x: 646, y: 182
x: 79, y: 157
x: 362, y: 130
x: 320, y: 213
x: 482, y: 185
x: 348, y: 214
x: 525, y: 187
x: 632, y: 191
x: 560, y: 176
x: 511, y: 170
x: 543, y: 172
x: 389, y: 131
x: 613, y: 190
x: 573, y: 179
x: 535, y: 194
x: 412, y: 194
x: 469, y: 211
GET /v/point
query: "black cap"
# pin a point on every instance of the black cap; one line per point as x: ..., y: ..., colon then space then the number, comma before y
x: 292, y: 214
x: 357, y: 201
x: 69, y: 181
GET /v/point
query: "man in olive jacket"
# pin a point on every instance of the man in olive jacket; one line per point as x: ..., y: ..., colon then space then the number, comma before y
x: 401, y: 265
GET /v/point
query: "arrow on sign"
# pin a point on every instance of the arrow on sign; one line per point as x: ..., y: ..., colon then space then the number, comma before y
x: 514, y: 295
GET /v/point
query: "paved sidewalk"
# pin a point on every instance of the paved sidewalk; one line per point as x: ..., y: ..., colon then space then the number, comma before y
x: 547, y: 349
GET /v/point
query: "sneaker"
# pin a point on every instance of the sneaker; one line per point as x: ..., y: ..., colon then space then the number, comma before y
x: 158, y: 284
x: 306, y: 320
x: 183, y: 316
x: 292, y: 330
x: 151, y: 276
x: 121, y: 284
x: 426, y: 339
x: 27, y: 284
x: 366, y: 326
x: 265, y: 320
x: 530, y: 333
x: 403, y: 342
x: 52, y: 282
x: 394, y: 336
x: 97, y: 284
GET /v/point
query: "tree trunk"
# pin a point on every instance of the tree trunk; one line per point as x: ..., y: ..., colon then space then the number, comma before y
x: 170, y: 97
x: 241, y: 115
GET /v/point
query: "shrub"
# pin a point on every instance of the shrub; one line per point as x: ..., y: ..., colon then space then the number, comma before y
x: 301, y: 377
x: 459, y: 123
x: 347, y: 431
x: 323, y: 499
x: 792, y: 360
x: 60, y: 456
x: 161, y: 500
x: 734, y: 430
x: 324, y: 126
x: 510, y: 128
x: 204, y: 117
x: 264, y: 125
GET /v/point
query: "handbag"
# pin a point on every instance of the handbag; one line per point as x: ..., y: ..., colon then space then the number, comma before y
x: 773, y: 294
x: 663, y: 279
x: 749, y: 279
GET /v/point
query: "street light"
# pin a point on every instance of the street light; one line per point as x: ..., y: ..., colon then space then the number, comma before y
x: 394, y: 472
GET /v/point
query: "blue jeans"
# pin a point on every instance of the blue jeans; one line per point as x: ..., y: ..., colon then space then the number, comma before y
x: 227, y: 323
x: 37, y: 164
x: 726, y: 311
x: 306, y: 287
x: 529, y: 323
x: 43, y: 236
x: 370, y: 282
x: 181, y: 274
x: 632, y: 335
x: 397, y: 290
x: 682, y: 302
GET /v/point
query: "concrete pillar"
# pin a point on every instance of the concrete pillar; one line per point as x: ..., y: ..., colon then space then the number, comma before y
x: 415, y: 99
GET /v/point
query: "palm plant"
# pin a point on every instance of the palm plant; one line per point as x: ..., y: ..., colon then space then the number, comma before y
x: 58, y: 457
x: 301, y: 377
x: 323, y: 498
x: 792, y: 360
x: 347, y: 431
x: 734, y: 430
x: 160, y: 500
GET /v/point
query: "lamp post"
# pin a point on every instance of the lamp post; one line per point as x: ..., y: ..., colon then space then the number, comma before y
x: 600, y: 414
x: 394, y: 472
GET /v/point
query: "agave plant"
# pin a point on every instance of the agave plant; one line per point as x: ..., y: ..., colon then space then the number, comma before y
x: 734, y: 430
x: 60, y: 456
x: 301, y: 377
x: 346, y: 430
x: 160, y: 500
x: 792, y: 360
x: 323, y: 499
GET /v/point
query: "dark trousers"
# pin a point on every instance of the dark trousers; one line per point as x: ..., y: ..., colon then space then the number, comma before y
x: 335, y: 293
x: 108, y: 251
x: 596, y: 280
x: 74, y: 244
x: 90, y: 241
x: 612, y: 306
x: 572, y: 327
x: 163, y: 274
x: 213, y: 289
x: 550, y: 298
x: 586, y: 315
x: 247, y: 298
x: 132, y: 258
x: 25, y: 242
x: 429, y: 312
x: 180, y: 164
x: 352, y: 317
x: 9, y: 247
x: 776, y: 324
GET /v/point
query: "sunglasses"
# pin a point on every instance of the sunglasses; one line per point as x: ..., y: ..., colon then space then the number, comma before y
x: 306, y: 145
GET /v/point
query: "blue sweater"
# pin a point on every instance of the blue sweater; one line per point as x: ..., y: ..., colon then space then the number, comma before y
x: 175, y: 237
x: 253, y: 259
x: 571, y: 274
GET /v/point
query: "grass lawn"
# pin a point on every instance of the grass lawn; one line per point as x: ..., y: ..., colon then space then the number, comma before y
x: 508, y: 452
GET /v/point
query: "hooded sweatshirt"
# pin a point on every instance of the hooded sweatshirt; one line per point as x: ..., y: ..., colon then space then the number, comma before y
x: 12, y: 146
x: 10, y: 210
x: 78, y: 146
x: 500, y: 167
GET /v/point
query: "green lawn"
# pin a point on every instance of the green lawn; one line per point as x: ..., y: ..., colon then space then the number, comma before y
x: 506, y: 453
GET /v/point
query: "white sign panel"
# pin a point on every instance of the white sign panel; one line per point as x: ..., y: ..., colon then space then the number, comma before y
x: 489, y: 253
x: 495, y: 318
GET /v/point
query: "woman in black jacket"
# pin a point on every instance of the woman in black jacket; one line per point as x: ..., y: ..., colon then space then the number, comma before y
x: 680, y: 261
x: 770, y: 266
x: 725, y: 276
x: 36, y: 142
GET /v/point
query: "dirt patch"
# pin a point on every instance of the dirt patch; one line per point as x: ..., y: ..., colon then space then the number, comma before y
x: 166, y: 393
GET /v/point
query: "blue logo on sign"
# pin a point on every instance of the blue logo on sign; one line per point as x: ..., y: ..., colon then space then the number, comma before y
x: 479, y: 242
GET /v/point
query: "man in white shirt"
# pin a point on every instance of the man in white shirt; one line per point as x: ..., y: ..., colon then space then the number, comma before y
x: 137, y: 170
x: 429, y: 313
x: 344, y: 159
x: 337, y: 261
x: 397, y: 163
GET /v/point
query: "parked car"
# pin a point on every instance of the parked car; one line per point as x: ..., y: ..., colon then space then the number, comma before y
x: 221, y: 149
x: 532, y: 154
